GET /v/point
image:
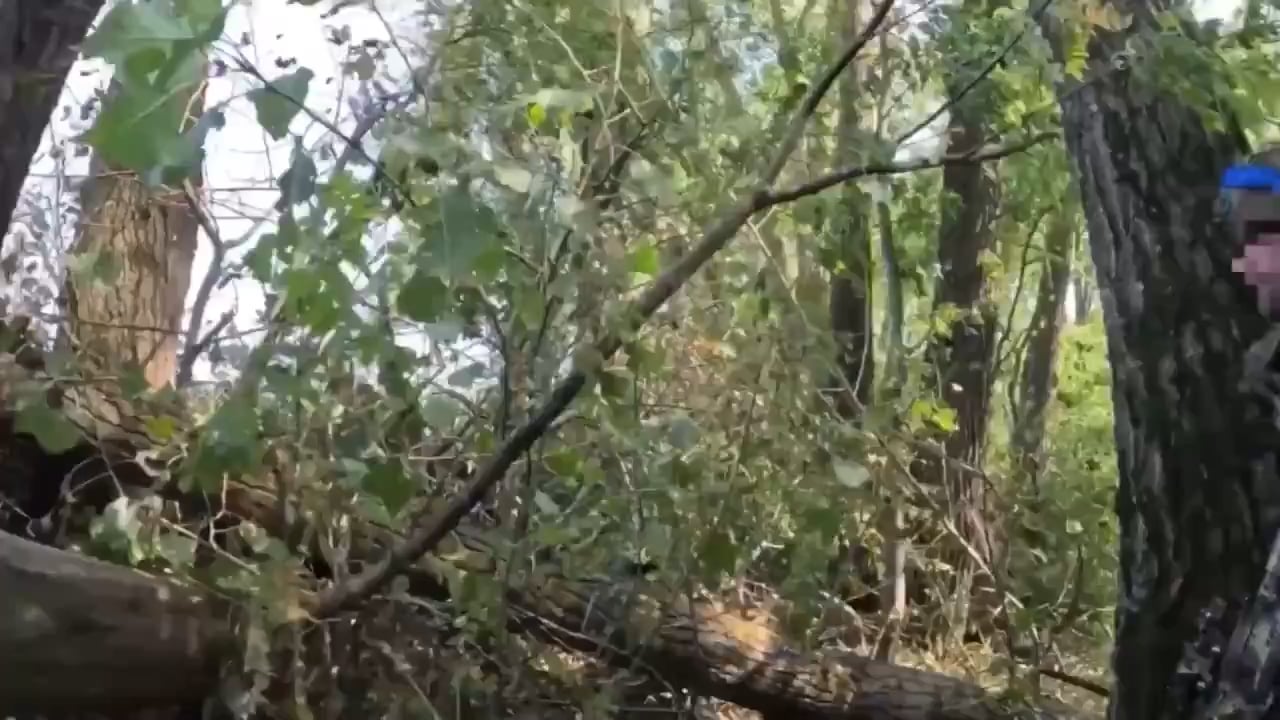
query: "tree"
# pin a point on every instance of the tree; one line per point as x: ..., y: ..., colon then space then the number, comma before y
x: 961, y: 354
x: 1195, y: 447
x: 1038, y: 369
x: 127, y: 293
x: 850, y: 296
x: 38, y: 45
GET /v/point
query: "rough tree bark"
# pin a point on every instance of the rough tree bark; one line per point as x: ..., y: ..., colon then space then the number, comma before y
x: 79, y: 634
x: 849, y: 299
x: 149, y: 235
x: 962, y: 359
x: 1037, y: 378
x: 1199, y: 497
x: 38, y: 44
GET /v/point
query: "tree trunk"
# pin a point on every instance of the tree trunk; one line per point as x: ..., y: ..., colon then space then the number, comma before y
x: 1083, y: 291
x: 38, y: 44
x: 850, y: 302
x: 147, y: 238
x: 77, y: 634
x: 1035, y: 386
x: 93, y: 636
x: 1199, y: 497
x: 962, y: 359
x: 96, y: 637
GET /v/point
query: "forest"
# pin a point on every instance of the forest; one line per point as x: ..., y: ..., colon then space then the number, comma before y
x: 627, y: 359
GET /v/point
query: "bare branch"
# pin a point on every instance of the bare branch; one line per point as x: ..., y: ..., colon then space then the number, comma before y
x: 843, y: 176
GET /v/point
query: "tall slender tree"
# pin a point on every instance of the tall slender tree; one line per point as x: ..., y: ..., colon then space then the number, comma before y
x: 1036, y: 380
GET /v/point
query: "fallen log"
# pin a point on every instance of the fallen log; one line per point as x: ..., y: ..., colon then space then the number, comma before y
x: 121, y: 637
x: 79, y: 634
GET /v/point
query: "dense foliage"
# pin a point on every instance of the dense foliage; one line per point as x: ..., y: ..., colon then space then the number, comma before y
x: 502, y: 184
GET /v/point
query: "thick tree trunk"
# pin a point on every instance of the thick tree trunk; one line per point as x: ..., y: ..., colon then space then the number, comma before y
x: 39, y: 42
x: 1199, y: 497
x: 78, y: 634
x: 149, y: 236
x: 1036, y: 383
x: 962, y: 360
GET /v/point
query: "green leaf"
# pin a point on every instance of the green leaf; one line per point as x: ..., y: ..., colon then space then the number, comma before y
x: 644, y: 260
x: 536, y: 115
x: 178, y: 550
x: 229, y: 442
x: 424, y: 298
x: 719, y: 553
x: 564, y: 462
x: 55, y: 433
x: 850, y: 474
x: 298, y: 183
x: 388, y: 482
x: 545, y: 504
x: 441, y: 412
x: 161, y: 427
x: 457, y: 233
x: 154, y: 108
x: 129, y: 28
x: 281, y: 100
x: 614, y: 383
x: 513, y: 176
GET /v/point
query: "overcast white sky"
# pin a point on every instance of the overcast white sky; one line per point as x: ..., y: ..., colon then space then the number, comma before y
x: 242, y: 160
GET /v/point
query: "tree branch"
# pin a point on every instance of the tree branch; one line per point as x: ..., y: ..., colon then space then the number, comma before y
x: 839, y: 177
x: 428, y: 532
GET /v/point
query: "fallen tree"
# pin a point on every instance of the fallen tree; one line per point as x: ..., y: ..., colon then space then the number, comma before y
x: 124, y: 638
x: 80, y: 634
x: 77, y: 633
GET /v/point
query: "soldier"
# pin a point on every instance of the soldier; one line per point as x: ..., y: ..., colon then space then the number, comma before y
x: 1254, y: 204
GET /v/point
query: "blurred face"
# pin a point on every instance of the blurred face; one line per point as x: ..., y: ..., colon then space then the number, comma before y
x: 1260, y: 266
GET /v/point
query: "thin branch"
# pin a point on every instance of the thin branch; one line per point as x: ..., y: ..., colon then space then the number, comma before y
x: 1094, y: 687
x: 982, y: 75
x: 426, y: 533
x: 193, y: 347
x: 843, y: 176
x: 353, y: 144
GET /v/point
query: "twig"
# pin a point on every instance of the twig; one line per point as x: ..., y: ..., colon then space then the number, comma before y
x: 193, y: 347
x: 1094, y: 687
x: 995, y: 62
x: 842, y: 176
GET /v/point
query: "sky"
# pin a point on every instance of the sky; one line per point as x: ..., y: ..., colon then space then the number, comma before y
x: 242, y: 161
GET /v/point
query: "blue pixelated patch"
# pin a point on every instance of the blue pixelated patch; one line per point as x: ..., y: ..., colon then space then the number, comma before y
x: 1251, y: 177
